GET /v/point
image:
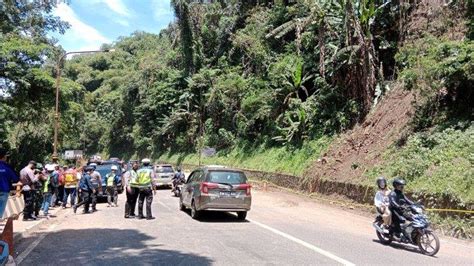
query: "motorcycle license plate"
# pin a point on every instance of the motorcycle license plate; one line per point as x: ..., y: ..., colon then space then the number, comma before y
x: 227, y: 194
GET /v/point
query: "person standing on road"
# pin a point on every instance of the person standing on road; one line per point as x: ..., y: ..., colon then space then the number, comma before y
x: 70, y: 184
x: 7, y: 177
x: 130, y: 181
x: 47, y: 189
x: 55, y: 183
x: 86, y: 189
x: 27, y: 178
x: 111, y: 180
x: 40, y: 178
x: 96, y: 180
x: 147, y: 188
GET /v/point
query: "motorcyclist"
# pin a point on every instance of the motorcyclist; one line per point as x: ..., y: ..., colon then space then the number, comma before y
x: 398, y: 203
x: 178, y: 178
x: 382, y: 202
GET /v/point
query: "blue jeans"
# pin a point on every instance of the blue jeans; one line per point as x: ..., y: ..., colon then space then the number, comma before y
x: 67, y: 192
x: 3, y: 202
x: 46, y: 202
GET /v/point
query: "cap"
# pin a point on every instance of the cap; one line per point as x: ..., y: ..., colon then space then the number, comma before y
x: 49, y: 167
x: 32, y: 162
x: 146, y: 161
x: 114, y: 167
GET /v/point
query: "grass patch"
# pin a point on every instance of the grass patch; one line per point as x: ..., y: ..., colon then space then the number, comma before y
x: 439, y: 162
x: 286, y: 160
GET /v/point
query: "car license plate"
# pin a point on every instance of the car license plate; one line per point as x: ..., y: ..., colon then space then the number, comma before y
x: 227, y: 194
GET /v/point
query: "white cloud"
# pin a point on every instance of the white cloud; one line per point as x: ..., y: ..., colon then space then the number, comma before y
x: 161, y: 8
x: 118, y: 7
x: 122, y: 22
x: 83, y: 35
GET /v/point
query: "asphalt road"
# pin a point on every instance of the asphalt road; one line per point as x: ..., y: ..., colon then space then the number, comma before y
x: 282, y: 229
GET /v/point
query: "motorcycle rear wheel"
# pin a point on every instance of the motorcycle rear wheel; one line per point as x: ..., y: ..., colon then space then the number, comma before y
x: 426, y: 241
x: 384, y: 239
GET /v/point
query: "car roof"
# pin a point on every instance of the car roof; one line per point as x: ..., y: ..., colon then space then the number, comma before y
x: 161, y: 165
x: 220, y: 168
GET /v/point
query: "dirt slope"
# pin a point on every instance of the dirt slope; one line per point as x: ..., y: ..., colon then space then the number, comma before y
x: 362, y: 147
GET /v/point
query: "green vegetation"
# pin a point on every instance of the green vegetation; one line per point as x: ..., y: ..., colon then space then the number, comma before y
x: 276, y: 159
x: 440, y: 162
x: 268, y: 84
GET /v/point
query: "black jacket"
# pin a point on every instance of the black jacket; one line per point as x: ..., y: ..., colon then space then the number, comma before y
x: 398, y: 200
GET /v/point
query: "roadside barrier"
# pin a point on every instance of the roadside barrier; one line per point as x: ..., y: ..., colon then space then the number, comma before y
x: 14, y: 207
x: 370, y: 207
x: 362, y: 197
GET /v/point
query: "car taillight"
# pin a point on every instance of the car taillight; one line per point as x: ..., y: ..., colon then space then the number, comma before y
x: 245, y: 187
x: 205, y: 186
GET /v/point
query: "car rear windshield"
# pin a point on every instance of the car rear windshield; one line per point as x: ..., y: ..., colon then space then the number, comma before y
x: 227, y: 177
x: 164, y: 169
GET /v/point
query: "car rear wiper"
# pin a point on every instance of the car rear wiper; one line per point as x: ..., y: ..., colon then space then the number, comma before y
x: 227, y: 184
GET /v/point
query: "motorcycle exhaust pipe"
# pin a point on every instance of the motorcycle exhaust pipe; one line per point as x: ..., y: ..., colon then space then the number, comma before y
x: 378, y: 228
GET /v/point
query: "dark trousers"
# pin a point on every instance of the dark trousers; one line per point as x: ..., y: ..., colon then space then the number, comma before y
x: 132, y: 197
x: 94, y: 199
x: 38, y: 201
x: 67, y: 192
x: 29, y: 198
x: 85, y: 200
x: 60, y: 195
x: 145, y: 193
x: 112, y: 195
x: 54, y: 198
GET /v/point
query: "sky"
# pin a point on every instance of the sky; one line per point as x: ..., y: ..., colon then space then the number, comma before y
x: 94, y: 22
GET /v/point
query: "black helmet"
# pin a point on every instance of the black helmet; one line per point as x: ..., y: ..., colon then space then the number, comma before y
x: 398, y: 182
x: 178, y: 169
x: 381, y: 181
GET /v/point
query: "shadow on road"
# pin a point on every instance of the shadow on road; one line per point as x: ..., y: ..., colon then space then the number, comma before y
x: 406, y: 247
x: 218, y: 217
x: 104, y: 247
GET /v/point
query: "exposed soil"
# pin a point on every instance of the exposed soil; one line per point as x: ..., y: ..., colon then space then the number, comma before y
x: 362, y: 147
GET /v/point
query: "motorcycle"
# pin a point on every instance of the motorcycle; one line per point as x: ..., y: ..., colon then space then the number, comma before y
x: 415, y: 231
x: 178, y: 186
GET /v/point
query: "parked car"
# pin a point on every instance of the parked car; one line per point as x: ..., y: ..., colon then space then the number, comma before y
x: 164, y: 175
x: 216, y: 188
x: 104, y: 169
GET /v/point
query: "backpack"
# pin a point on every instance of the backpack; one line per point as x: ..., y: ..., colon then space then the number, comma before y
x: 69, y: 177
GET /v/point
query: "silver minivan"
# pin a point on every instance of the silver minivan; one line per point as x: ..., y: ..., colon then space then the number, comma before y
x: 216, y: 188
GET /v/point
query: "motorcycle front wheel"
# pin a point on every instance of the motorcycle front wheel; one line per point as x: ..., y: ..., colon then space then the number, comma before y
x: 384, y: 238
x: 428, y: 243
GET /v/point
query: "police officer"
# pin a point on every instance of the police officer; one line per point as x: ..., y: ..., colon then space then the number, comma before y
x: 147, y: 188
x: 28, y: 178
x: 111, y: 181
x: 86, y: 189
x: 96, y: 180
x: 130, y: 181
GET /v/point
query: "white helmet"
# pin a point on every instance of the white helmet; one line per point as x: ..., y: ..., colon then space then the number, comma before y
x: 114, y: 167
x: 49, y: 167
x: 146, y: 161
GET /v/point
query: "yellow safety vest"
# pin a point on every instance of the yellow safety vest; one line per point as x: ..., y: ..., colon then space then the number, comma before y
x: 144, y: 177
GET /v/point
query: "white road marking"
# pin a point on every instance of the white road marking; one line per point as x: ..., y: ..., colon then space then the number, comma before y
x: 33, y: 245
x: 303, y: 243
x: 164, y: 205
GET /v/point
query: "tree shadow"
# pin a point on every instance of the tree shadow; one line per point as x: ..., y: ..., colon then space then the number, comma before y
x: 104, y: 247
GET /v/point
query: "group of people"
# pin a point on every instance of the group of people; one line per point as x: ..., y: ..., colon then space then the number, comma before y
x: 391, y: 204
x: 46, y: 187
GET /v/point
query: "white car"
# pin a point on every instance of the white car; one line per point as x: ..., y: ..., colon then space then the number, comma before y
x: 164, y: 175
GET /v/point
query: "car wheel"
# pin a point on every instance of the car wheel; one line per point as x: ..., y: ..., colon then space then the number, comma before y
x: 181, y: 205
x: 242, y: 215
x: 194, y: 212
